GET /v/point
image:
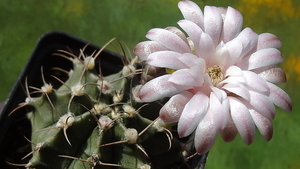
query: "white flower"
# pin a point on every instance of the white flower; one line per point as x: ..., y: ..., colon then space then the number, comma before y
x: 223, y: 79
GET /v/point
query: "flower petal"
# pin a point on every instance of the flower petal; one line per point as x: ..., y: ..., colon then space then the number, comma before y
x: 263, y: 124
x: 166, y: 59
x: 194, y: 32
x: 235, y: 49
x: 248, y: 38
x: 273, y: 74
x: 229, y: 132
x: 206, y: 134
x: 206, y: 48
x: 234, y: 71
x: 178, y: 32
x: 268, y: 40
x: 255, y: 82
x: 192, y: 114
x: 191, y: 60
x: 158, y: 88
x: 191, y: 11
x: 233, y: 80
x: 219, y: 108
x: 172, y: 110
x: 242, y: 120
x: 280, y: 98
x: 262, y: 104
x: 221, y: 57
x: 188, y: 77
x: 143, y: 49
x: 237, y: 89
x: 168, y: 39
x: 264, y: 57
x: 233, y: 23
x: 213, y: 23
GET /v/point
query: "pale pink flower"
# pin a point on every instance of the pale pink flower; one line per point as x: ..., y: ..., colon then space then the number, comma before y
x: 223, y: 78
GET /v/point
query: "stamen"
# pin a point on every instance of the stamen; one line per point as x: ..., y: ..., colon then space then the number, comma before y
x: 215, y: 73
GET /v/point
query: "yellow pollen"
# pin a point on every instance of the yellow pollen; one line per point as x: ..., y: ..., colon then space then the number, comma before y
x: 215, y: 73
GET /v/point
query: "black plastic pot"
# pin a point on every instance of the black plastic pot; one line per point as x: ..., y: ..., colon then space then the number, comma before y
x: 13, y: 128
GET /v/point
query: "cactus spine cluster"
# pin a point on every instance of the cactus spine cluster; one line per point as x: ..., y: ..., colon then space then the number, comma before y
x: 92, y: 121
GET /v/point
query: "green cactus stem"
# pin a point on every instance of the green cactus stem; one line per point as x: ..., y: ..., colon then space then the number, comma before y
x: 95, y: 121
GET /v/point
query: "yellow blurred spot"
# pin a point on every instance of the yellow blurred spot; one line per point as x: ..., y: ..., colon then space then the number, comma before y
x: 285, y: 9
x: 292, y: 67
x: 76, y: 8
x: 295, y: 165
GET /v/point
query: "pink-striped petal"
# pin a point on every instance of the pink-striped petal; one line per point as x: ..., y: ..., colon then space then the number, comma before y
x: 262, y: 104
x: 268, y: 40
x: 188, y: 77
x: 144, y: 49
x: 172, y: 110
x: 233, y: 80
x: 191, y: 11
x: 237, y: 89
x: 221, y: 57
x: 255, y: 82
x: 166, y: 59
x: 273, y: 74
x: 191, y: 60
x: 233, y: 71
x: 223, y: 12
x: 206, y: 134
x: 233, y: 23
x: 178, y: 32
x: 242, y: 120
x: 219, y: 94
x: 280, y: 98
x: 192, y: 29
x: 192, y: 114
x: 229, y: 133
x: 248, y: 38
x: 169, y: 40
x: 158, y: 88
x: 264, y: 57
x: 235, y: 49
x: 206, y: 48
x: 194, y: 32
x: 219, y: 108
x: 263, y: 124
x: 213, y: 23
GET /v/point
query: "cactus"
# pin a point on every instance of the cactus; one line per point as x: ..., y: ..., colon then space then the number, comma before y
x: 92, y: 121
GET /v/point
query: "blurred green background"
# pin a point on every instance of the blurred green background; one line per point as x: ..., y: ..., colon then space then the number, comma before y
x: 97, y: 21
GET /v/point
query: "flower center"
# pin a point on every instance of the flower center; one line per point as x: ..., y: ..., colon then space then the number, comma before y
x: 215, y: 73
